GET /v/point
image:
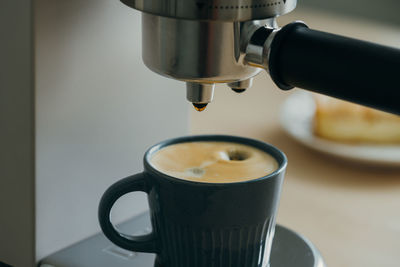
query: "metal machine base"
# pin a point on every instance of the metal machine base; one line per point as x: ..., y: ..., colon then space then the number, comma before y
x: 289, y: 249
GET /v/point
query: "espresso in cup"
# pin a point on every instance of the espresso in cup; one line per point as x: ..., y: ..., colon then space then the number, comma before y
x: 214, y: 162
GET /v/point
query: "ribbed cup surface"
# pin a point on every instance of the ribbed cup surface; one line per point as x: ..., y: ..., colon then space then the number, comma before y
x: 186, y: 246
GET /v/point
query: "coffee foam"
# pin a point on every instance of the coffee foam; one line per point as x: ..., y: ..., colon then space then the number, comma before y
x: 213, y: 162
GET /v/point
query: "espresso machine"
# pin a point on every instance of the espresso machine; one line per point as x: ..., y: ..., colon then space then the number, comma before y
x: 205, y: 42
x: 209, y: 42
x: 67, y: 105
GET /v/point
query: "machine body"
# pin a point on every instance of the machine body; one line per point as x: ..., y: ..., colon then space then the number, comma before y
x: 204, y: 42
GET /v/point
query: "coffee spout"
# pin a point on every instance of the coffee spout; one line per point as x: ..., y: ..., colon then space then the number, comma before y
x: 200, y: 94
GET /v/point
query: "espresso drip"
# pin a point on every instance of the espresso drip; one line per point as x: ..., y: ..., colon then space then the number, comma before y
x: 200, y: 106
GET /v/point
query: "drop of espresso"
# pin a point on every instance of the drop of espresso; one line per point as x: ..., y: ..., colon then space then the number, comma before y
x: 200, y: 106
x: 238, y: 90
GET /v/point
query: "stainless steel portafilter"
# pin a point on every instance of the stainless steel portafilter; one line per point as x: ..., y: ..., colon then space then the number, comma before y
x: 204, y: 42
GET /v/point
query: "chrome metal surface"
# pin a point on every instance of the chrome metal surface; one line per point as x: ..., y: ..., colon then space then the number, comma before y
x: 241, y: 85
x: 259, y: 47
x: 223, y: 10
x: 203, y: 42
x: 267, y: 49
x: 199, y: 92
x: 198, y: 51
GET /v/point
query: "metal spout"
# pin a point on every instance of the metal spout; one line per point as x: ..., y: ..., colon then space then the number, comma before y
x: 241, y: 86
x: 199, y: 93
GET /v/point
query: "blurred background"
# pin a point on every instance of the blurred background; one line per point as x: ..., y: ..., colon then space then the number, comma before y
x: 93, y: 113
x: 385, y: 11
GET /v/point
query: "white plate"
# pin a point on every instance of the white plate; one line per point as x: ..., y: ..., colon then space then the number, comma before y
x: 297, y: 118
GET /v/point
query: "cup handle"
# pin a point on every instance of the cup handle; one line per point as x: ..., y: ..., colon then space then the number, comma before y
x: 143, y: 243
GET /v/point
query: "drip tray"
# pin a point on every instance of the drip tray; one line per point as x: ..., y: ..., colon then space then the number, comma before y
x: 289, y: 249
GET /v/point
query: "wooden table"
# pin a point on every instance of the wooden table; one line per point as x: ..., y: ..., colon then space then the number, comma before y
x: 350, y: 211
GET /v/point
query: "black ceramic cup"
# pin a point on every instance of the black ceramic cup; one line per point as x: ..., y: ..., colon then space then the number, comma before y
x: 202, y: 224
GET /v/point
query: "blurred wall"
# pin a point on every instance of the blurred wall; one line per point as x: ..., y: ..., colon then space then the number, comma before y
x: 16, y: 134
x: 98, y: 108
x: 386, y: 11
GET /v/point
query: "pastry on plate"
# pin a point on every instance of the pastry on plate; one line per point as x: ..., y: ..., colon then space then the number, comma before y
x: 347, y: 122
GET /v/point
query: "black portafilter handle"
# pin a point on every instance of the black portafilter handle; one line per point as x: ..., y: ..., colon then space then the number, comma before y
x: 345, y: 68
